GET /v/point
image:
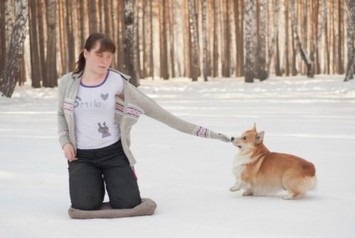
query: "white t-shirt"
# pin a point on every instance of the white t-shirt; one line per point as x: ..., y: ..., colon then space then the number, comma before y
x: 94, y: 113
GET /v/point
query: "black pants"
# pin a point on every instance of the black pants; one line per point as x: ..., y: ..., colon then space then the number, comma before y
x: 98, y: 168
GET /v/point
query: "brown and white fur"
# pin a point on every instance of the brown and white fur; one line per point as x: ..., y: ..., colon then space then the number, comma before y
x: 260, y: 172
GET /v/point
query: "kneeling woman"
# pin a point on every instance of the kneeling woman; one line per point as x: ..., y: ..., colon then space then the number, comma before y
x: 97, y: 108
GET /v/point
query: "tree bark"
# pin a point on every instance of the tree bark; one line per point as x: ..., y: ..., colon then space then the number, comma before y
x: 2, y: 36
x: 205, y: 57
x: 51, y: 57
x: 250, y: 36
x: 164, y: 29
x: 274, y: 46
x: 12, y: 68
x: 128, y: 46
x: 261, y: 70
x: 194, y: 42
x: 307, y: 60
x: 350, y: 40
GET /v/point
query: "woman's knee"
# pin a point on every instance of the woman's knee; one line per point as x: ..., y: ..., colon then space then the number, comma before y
x: 125, y: 203
x: 88, y: 203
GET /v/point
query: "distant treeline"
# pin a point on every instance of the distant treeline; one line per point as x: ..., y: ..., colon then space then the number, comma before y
x: 187, y: 38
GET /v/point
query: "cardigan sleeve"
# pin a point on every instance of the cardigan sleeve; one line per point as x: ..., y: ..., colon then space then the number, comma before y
x: 154, y: 110
x: 63, y: 130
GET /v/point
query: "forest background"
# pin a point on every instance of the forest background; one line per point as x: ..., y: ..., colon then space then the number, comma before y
x: 40, y: 40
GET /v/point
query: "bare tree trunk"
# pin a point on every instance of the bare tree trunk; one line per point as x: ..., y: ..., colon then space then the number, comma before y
x: 216, y: 29
x: 304, y: 56
x: 34, y: 44
x: 2, y: 36
x: 177, y: 9
x: 119, y: 32
x: 286, y: 63
x: 70, y: 35
x: 61, y: 37
x: 107, y: 16
x: 225, y: 31
x: 164, y: 29
x: 239, y: 19
x: 8, y: 78
x: 205, y: 54
x: 155, y: 36
x: 350, y: 40
x: 9, y: 20
x: 82, y: 15
x: 274, y: 40
x: 278, y: 71
x: 250, y: 36
x: 51, y: 59
x: 340, y: 38
x: 261, y: 70
x: 147, y: 33
x: 41, y: 40
x: 194, y: 42
x: 93, y: 12
x: 128, y: 42
x: 322, y: 21
x: 136, y: 20
x: 172, y: 37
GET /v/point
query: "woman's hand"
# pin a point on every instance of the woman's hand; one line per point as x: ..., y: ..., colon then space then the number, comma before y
x: 69, y: 152
x: 219, y: 136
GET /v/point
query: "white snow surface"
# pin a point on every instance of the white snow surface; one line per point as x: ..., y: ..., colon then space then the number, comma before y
x: 189, y: 177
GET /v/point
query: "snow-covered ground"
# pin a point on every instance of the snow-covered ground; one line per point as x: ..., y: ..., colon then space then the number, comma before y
x: 187, y: 176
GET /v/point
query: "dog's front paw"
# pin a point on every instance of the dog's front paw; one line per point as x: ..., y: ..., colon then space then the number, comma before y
x: 234, y: 188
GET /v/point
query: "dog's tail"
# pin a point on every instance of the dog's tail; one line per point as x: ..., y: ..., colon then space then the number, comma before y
x: 311, y: 183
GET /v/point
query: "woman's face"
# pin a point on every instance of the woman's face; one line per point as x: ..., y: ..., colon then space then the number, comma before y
x: 96, y: 61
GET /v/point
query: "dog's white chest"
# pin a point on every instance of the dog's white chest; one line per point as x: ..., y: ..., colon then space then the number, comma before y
x: 239, y: 161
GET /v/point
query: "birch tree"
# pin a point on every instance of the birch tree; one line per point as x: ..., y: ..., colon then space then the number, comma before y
x: 350, y: 40
x: 249, y: 39
x: 194, y: 42
x: 11, y: 70
x: 261, y: 70
x: 2, y: 35
x: 307, y: 60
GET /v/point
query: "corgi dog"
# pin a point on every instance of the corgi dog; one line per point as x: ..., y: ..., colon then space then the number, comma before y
x: 260, y: 172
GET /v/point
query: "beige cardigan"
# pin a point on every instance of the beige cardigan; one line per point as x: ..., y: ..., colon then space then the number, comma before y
x: 127, y: 112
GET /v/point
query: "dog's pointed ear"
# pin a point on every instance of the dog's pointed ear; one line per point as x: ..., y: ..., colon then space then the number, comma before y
x: 254, y: 128
x: 259, y: 137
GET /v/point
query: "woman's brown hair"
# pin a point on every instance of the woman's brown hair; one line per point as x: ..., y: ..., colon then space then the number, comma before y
x: 106, y: 44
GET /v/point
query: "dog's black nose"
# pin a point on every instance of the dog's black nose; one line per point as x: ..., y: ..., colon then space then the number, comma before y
x: 232, y: 138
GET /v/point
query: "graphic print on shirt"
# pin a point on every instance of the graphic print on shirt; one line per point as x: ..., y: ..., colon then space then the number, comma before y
x: 104, y: 96
x: 103, y: 130
x: 95, y: 114
x: 90, y: 104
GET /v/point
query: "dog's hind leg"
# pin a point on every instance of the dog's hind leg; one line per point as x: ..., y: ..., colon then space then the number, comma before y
x: 248, y: 192
x: 294, y: 187
x: 291, y: 196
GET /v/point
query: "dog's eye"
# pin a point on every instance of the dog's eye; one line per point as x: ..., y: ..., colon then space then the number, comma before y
x: 244, y: 137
